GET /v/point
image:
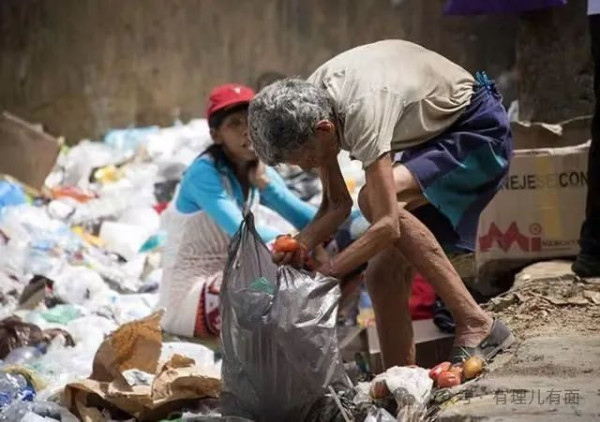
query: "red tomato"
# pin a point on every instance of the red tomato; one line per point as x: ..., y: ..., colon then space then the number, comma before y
x: 285, y: 243
x: 438, y: 369
x: 448, y: 379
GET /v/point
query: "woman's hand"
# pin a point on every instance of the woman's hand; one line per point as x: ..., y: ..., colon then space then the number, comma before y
x: 257, y: 175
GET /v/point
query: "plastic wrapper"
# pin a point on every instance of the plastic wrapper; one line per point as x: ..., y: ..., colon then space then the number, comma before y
x: 82, y: 286
x: 279, y: 340
x: 124, y: 239
x: 145, y: 217
x: 128, y: 139
x: 77, y: 164
x: 179, y: 143
x: 61, y: 314
x: 130, y: 307
x: 380, y: 415
x: 120, y: 277
x: 113, y: 203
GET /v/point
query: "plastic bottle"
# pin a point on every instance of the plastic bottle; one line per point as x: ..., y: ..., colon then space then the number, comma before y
x: 14, y: 387
x: 22, y: 355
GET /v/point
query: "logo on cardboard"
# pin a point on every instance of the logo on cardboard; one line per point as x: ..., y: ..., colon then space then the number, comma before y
x: 512, y: 236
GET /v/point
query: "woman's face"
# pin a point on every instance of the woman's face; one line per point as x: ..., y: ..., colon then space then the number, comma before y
x: 232, y: 134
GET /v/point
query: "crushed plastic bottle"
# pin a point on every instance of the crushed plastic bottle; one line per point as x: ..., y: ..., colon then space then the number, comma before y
x: 14, y: 387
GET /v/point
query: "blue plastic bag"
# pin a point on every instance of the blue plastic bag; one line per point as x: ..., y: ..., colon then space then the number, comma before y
x: 11, y: 194
x: 128, y: 139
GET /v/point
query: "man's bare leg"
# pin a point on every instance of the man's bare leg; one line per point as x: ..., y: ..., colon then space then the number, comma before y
x: 418, y: 245
x: 421, y: 249
x: 389, y: 280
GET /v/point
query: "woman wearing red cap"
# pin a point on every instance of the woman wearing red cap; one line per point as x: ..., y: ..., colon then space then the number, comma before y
x: 207, y: 211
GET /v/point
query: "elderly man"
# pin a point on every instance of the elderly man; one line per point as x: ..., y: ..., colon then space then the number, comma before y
x: 435, y: 145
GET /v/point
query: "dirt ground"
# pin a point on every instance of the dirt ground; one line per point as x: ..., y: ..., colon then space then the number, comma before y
x: 547, y: 298
x: 552, y: 372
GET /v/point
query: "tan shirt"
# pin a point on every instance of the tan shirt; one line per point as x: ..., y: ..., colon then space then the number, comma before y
x: 392, y: 95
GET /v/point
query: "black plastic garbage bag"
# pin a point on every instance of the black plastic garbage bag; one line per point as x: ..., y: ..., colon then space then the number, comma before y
x: 279, y: 342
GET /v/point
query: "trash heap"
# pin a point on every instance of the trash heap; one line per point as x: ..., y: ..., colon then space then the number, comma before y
x: 79, y: 278
x: 81, y: 257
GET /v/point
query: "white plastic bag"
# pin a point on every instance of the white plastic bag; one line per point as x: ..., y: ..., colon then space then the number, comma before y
x: 411, y: 387
x: 124, y: 239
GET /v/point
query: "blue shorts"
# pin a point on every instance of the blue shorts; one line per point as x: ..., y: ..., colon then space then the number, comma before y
x: 461, y: 169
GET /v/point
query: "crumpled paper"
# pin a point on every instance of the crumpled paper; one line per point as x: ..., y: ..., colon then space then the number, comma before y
x: 137, y: 345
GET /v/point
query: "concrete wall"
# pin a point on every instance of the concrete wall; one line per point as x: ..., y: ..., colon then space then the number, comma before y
x: 555, y: 64
x: 83, y: 66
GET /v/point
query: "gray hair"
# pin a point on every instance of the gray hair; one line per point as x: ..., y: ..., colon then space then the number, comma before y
x: 283, y: 116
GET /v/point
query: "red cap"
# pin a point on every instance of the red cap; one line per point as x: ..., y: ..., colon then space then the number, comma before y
x: 228, y: 95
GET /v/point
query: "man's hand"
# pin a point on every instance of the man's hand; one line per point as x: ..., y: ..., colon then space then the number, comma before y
x: 289, y: 251
x: 257, y: 175
x: 325, y: 264
x: 295, y: 259
x: 384, y: 230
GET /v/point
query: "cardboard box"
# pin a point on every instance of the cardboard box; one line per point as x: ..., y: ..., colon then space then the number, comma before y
x: 531, y: 135
x: 537, y: 215
x: 26, y: 152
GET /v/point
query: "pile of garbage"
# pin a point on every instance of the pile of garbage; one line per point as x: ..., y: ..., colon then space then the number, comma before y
x: 79, y: 279
x: 81, y: 258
